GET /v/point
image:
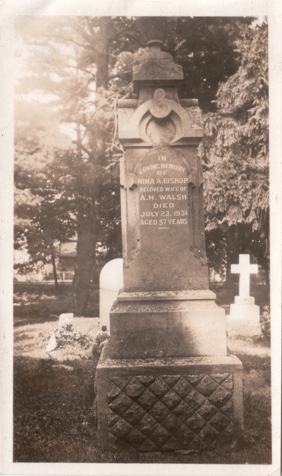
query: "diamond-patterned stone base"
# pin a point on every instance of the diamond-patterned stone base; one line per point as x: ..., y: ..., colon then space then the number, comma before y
x: 152, y: 407
x: 166, y: 412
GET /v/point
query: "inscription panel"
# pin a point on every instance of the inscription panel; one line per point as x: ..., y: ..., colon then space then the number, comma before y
x: 160, y: 190
x: 163, y: 191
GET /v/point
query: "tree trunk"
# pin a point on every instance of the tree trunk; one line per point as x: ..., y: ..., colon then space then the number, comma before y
x: 86, y: 243
x: 233, y: 247
x: 55, y: 272
x: 88, y: 220
x: 102, y: 74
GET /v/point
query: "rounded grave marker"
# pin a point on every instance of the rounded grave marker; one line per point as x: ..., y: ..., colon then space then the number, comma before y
x: 111, y: 281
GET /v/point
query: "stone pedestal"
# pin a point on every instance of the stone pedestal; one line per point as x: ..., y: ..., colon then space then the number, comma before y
x: 168, y: 324
x: 244, y: 318
x: 244, y: 308
x: 168, y: 403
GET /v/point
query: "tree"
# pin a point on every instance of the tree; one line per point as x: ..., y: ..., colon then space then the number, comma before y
x: 236, y: 154
x: 206, y: 48
x: 77, y: 177
x: 77, y: 67
x: 36, y: 135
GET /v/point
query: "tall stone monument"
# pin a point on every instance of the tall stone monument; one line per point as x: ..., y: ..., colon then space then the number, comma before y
x: 164, y: 381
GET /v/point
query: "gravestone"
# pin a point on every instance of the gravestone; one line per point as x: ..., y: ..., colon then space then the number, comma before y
x: 164, y: 380
x: 244, y: 307
x: 244, y: 316
x: 66, y: 319
x: 111, y: 281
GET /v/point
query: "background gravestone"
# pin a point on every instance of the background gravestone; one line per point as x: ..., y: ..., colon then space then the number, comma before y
x: 244, y: 316
x: 244, y: 306
x: 164, y: 381
x: 111, y: 281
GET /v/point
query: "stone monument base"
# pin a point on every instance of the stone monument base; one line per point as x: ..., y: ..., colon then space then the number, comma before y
x: 169, y: 403
x: 243, y: 327
x: 244, y: 308
x: 168, y: 324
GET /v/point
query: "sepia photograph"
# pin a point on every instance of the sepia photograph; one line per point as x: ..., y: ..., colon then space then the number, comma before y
x: 143, y: 290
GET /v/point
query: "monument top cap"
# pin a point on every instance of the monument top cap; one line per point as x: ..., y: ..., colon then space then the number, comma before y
x: 155, y: 65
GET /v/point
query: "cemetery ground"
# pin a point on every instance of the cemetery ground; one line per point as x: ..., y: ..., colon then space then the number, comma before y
x: 54, y: 414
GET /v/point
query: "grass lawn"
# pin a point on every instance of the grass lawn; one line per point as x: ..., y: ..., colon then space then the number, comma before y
x: 54, y: 417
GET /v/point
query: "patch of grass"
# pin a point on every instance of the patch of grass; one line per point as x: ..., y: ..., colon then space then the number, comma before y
x: 54, y: 417
x: 53, y: 403
x: 35, y: 303
x: 31, y: 340
x: 54, y: 421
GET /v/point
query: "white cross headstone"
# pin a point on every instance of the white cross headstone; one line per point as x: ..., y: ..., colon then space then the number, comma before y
x: 244, y: 269
x: 244, y: 310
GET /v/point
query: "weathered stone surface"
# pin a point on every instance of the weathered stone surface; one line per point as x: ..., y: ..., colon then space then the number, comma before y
x: 244, y: 312
x: 120, y: 403
x: 159, y: 411
x: 183, y: 410
x: 220, y: 396
x: 147, y: 399
x: 113, y: 392
x: 175, y: 410
x: 182, y: 387
x: 227, y: 408
x: 171, y: 328
x: 159, y: 387
x: 244, y: 327
x: 147, y: 424
x: 160, y: 298
x: 195, y: 399
x: 207, y: 385
x: 208, y: 434
x: 163, y: 210
x: 160, y: 425
x: 207, y: 410
x: 134, y: 413
x: 156, y: 65
x: 135, y: 389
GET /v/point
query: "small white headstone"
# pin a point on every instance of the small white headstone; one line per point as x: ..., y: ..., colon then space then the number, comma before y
x: 244, y: 310
x: 111, y: 281
x: 65, y: 319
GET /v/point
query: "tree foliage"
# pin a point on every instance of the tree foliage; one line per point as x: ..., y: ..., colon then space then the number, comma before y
x: 235, y: 148
x: 71, y: 66
x: 206, y: 48
x: 74, y: 69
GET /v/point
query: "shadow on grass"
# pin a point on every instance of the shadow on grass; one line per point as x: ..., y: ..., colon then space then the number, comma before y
x: 37, y: 308
x: 54, y: 421
x: 30, y: 319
